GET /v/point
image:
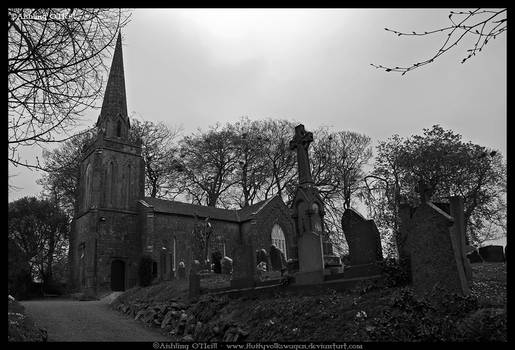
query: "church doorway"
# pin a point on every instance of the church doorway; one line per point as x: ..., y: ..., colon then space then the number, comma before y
x: 118, y: 275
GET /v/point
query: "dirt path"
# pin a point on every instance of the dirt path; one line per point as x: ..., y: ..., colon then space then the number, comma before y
x: 71, y: 320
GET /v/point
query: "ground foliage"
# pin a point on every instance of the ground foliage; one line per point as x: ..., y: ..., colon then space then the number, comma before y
x: 21, y: 327
x: 367, y: 312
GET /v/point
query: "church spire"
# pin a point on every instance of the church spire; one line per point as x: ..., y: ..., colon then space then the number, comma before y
x: 114, y: 106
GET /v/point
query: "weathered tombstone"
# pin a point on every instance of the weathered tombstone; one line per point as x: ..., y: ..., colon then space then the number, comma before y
x: 362, y: 238
x: 292, y: 265
x: 405, y: 227
x: 181, y: 270
x: 226, y: 265
x: 308, y: 212
x: 194, y: 280
x: 276, y: 258
x: 263, y: 256
x: 474, y: 257
x: 435, y: 252
x: 458, y: 229
x: 333, y: 264
x: 244, y: 268
x: 492, y: 253
x: 216, y: 258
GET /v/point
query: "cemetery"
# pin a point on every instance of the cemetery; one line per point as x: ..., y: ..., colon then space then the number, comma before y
x: 221, y: 253
x: 256, y: 296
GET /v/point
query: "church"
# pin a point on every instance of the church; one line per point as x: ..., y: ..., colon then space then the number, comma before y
x: 116, y: 224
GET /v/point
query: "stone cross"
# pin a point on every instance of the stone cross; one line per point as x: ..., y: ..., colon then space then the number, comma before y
x: 301, y: 142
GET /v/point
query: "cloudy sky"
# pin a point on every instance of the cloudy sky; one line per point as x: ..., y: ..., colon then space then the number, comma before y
x: 191, y: 68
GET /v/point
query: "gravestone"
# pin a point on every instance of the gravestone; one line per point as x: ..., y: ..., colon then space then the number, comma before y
x: 308, y: 212
x: 216, y: 258
x: 435, y: 252
x: 181, y: 270
x: 277, y: 259
x: 243, y: 267
x: 226, y: 265
x: 492, y: 253
x: 405, y: 227
x: 333, y: 264
x: 292, y: 265
x: 362, y: 237
x: 263, y: 256
x: 474, y: 257
x: 456, y: 210
x: 194, y: 280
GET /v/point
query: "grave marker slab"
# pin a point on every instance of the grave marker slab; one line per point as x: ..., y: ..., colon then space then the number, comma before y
x: 243, y: 266
x: 435, y: 252
x: 362, y: 237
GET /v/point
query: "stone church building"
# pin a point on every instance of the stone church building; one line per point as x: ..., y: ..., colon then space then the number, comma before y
x: 116, y: 224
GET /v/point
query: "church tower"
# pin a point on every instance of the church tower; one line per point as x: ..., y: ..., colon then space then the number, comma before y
x: 106, y: 240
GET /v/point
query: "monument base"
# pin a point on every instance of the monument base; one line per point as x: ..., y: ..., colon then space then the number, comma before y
x: 363, y: 270
x: 241, y: 283
x: 310, y: 277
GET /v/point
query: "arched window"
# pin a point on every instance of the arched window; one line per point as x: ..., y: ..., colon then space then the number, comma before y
x: 112, y: 184
x: 278, y: 239
x: 128, y: 186
x: 87, y: 188
x: 119, y: 128
x: 105, y: 188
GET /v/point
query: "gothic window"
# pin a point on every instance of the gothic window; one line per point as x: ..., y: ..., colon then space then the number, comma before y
x: 278, y: 239
x: 88, y: 189
x: 113, y: 184
x: 105, y: 184
x: 128, y: 186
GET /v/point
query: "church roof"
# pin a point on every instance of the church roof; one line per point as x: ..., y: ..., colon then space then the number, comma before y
x: 115, y: 100
x: 180, y: 208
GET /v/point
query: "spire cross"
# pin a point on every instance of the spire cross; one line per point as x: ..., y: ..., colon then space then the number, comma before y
x: 301, y: 142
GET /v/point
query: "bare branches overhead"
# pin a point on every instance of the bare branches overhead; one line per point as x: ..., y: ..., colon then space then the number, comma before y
x: 55, y: 68
x: 480, y: 25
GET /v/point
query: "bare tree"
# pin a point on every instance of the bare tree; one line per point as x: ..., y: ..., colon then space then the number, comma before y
x: 482, y: 25
x: 208, y: 165
x: 252, y: 169
x: 281, y: 161
x: 338, y: 160
x: 55, y: 68
x: 160, y: 153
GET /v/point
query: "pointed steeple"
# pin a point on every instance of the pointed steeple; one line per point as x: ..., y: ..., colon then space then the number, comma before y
x: 114, y: 106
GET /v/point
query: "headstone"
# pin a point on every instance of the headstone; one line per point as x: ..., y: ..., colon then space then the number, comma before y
x: 263, y: 256
x: 292, y: 265
x: 194, y: 280
x: 308, y: 212
x: 276, y: 258
x: 474, y: 257
x: 226, y: 265
x: 435, y: 252
x: 362, y: 238
x: 458, y: 229
x: 492, y: 253
x: 333, y: 264
x: 216, y: 258
x: 181, y: 270
x: 244, y: 268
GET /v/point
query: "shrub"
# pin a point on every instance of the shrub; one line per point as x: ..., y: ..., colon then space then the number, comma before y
x: 145, y: 271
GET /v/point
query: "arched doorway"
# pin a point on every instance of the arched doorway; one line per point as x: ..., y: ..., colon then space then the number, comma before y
x: 278, y: 239
x: 118, y: 275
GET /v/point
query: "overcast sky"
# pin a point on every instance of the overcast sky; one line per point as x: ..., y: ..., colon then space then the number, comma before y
x: 191, y: 68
